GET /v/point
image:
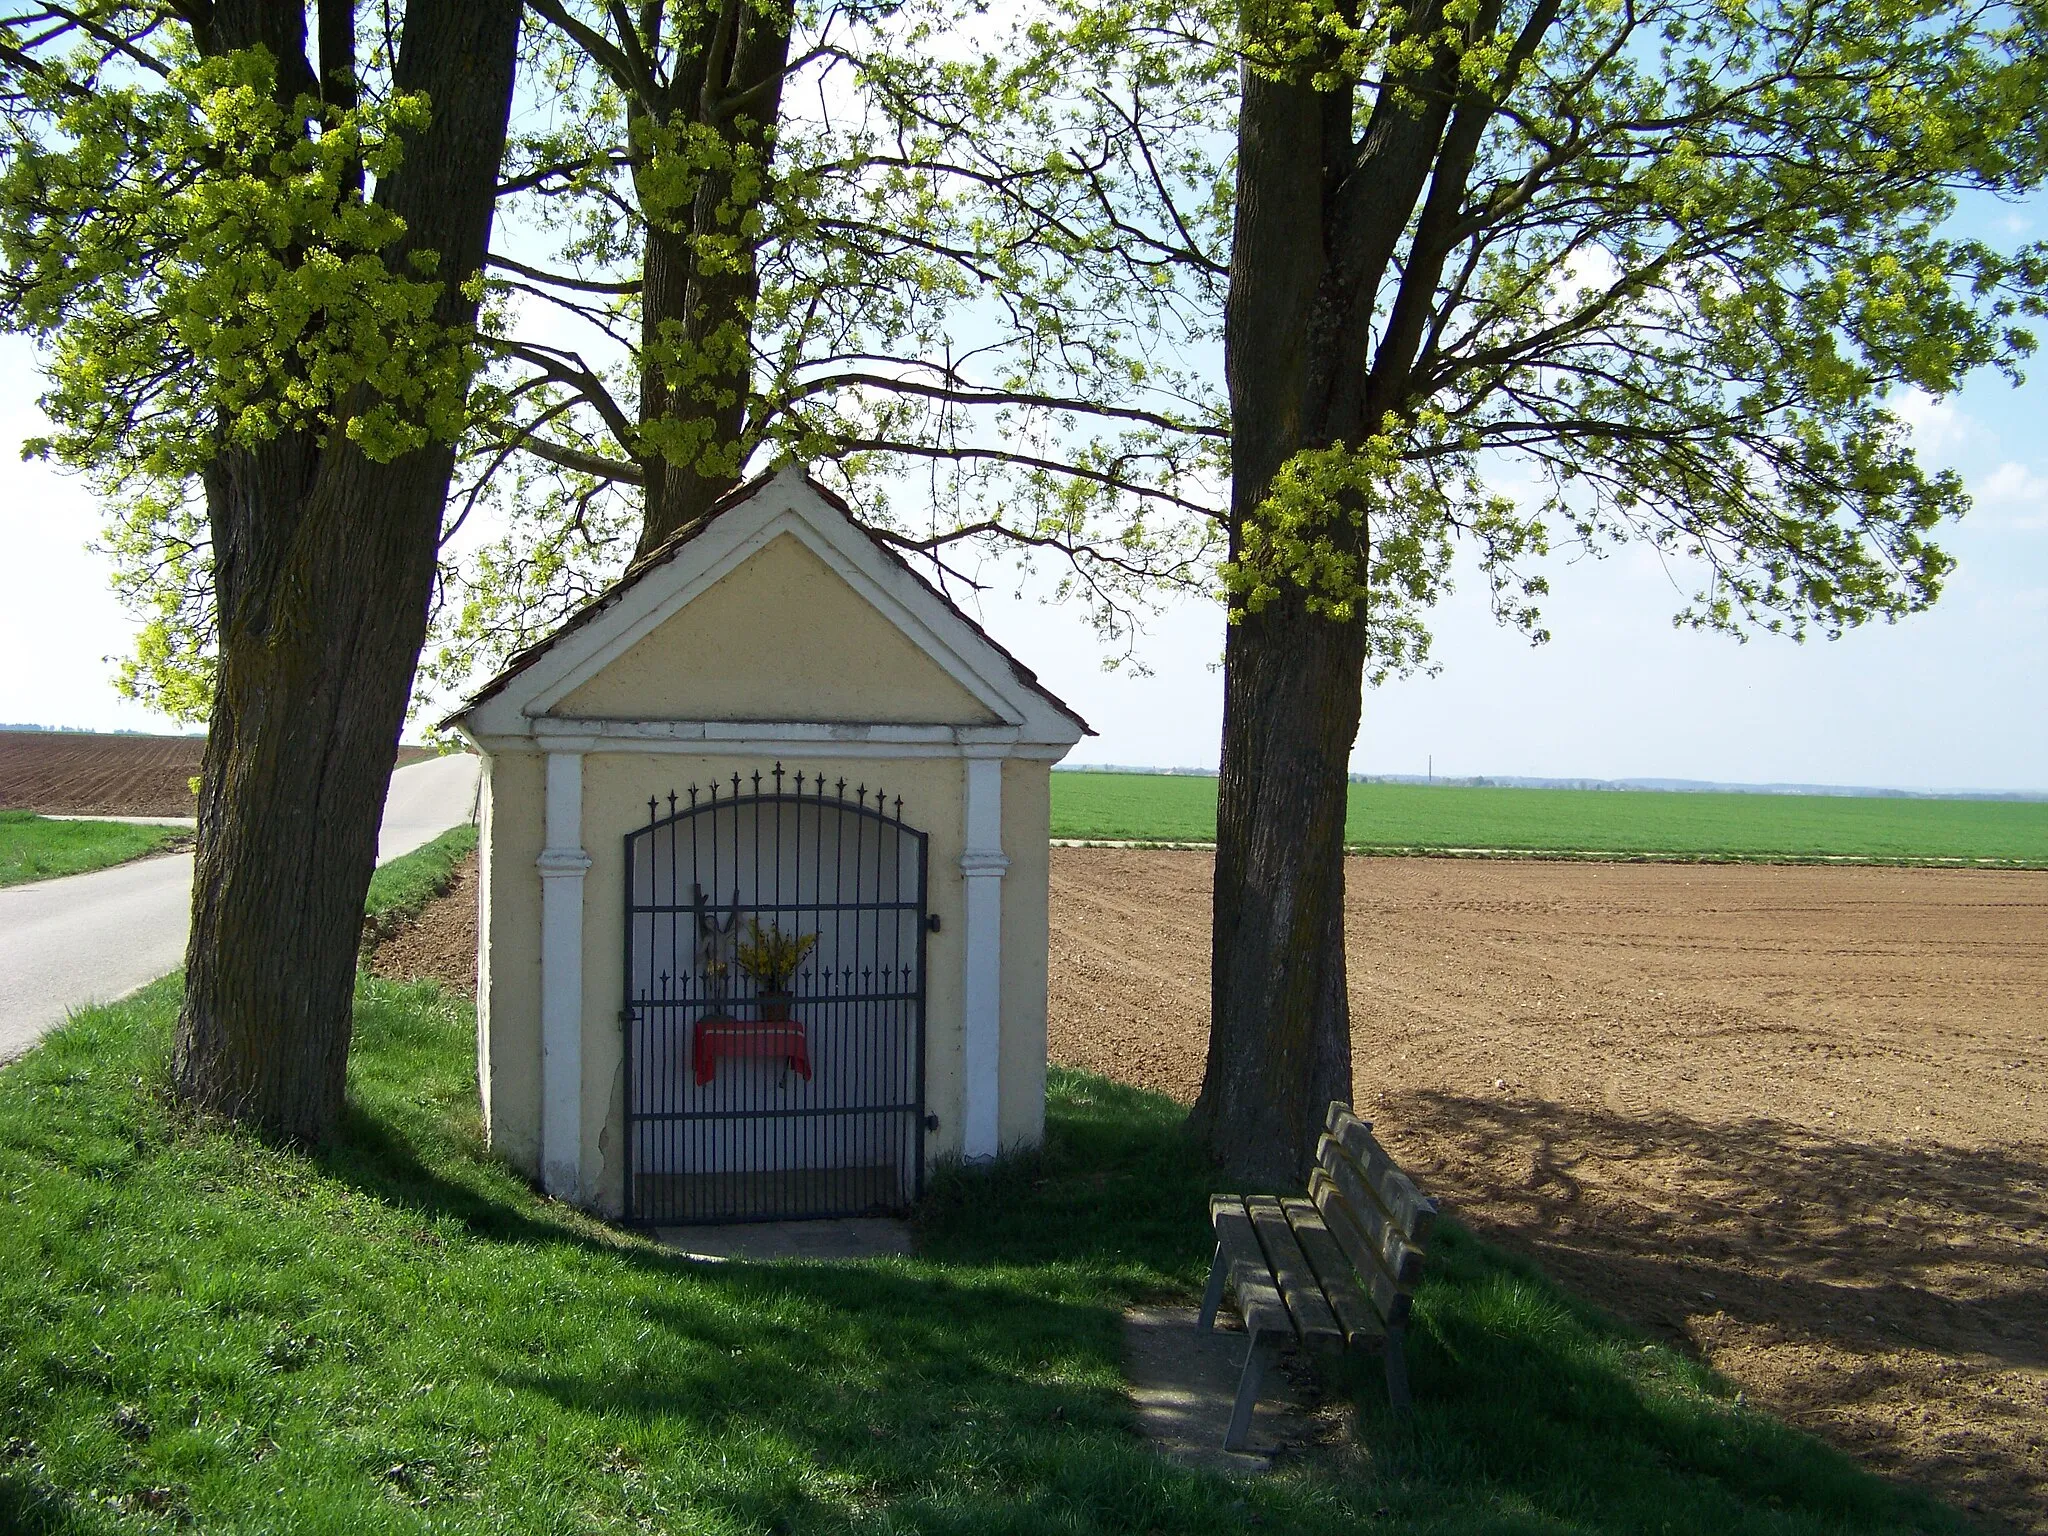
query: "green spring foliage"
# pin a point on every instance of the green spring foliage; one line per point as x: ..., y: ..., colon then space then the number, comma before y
x: 1677, y: 263
x: 1684, y: 259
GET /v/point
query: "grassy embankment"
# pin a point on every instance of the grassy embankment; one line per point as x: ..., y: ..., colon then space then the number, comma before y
x: 34, y: 847
x: 1413, y: 818
x: 397, y: 1334
x: 400, y: 889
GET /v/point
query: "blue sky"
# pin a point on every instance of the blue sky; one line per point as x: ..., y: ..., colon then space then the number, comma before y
x: 1954, y: 698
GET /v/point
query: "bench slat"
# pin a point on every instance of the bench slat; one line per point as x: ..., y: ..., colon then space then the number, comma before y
x: 1387, y: 1298
x: 1413, y: 1212
x: 1401, y: 1259
x: 1245, y: 1262
x: 1354, y: 1313
x: 1313, y: 1319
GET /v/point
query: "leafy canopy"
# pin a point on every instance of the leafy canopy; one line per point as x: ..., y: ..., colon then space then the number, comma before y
x: 1672, y: 269
x: 205, y: 268
x: 953, y: 310
x: 197, y: 249
x: 1675, y: 264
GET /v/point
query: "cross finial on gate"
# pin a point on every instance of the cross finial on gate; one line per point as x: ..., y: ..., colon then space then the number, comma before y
x: 652, y: 813
x: 778, y: 778
x: 671, y: 802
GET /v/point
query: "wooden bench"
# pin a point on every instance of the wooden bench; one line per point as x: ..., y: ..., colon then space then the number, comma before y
x: 1335, y: 1271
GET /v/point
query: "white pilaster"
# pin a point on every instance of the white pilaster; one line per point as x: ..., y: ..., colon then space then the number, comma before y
x: 562, y: 864
x: 982, y: 865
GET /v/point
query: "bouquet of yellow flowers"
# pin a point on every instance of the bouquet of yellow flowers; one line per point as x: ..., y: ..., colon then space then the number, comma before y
x: 771, y: 956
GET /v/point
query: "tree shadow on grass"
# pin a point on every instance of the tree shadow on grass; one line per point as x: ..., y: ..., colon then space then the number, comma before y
x: 531, y: 1370
x: 975, y: 1388
x: 28, y: 1508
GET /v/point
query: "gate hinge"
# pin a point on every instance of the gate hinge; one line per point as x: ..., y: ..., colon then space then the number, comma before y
x: 931, y: 921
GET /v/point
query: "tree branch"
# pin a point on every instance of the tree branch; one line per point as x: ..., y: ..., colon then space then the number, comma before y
x: 555, y: 279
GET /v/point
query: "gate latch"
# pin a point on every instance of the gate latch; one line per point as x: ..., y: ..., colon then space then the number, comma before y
x: 931, y: 921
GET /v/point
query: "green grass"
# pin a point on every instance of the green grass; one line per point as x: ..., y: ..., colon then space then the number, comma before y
x: 199, y: 1332
x: 1635, y: 823
x: 34, y: 847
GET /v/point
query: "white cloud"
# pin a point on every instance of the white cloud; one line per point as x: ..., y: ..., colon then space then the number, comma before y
x: 2016, y: 495
x: 2010, y: 608
x: 1937, y: 426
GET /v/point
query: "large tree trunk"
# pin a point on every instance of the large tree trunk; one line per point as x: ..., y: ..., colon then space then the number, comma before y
x: 1279, y: 1029
x: 324, y: 564
x: 1321, y: 210
x: 700, y: 281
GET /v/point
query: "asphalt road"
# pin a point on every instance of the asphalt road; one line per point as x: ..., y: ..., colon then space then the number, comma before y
x: 87, y: 939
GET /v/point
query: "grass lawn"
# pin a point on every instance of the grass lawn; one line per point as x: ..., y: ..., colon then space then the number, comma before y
x: 1413, y: 817
x: 34, y: 847
x: 398, y: 1334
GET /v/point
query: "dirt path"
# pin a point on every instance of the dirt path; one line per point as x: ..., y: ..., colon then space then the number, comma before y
x: 1797, y: 1117
x: 439, y: 944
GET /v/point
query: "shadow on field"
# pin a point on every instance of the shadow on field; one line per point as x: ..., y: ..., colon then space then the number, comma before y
x: 1837, y: 1273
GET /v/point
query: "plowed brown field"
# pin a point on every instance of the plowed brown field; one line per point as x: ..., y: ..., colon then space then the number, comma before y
x: 1794, y: 1117
x: 75, y: 772
x: 70, y: 771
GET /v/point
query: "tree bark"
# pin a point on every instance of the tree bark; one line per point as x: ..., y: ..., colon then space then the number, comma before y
x: 1280, y: 1031
x: 700, y: 282
x: 324, y: 563
x: 1319, y: 213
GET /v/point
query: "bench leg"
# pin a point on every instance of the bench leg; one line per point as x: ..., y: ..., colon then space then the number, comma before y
x: 1397, y: 1370
x: 1258, y: 1355
x: 1212, y: 1297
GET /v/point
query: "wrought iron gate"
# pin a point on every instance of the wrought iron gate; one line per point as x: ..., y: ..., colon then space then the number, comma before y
x: 749, y: 1101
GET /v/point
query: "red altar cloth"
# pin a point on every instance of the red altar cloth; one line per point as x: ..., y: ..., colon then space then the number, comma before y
x: 714, y: 1039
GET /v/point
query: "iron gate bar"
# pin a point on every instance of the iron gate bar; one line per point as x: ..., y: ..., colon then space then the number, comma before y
x: 841, y: 1142
x: 797, y: 906
x: 762, y: 1114
x: 837, y: 997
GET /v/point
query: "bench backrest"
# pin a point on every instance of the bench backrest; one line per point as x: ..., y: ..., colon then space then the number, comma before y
x: 1373, y: 1209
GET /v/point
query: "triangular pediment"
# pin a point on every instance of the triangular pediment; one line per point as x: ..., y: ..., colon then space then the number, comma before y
x: 777, y: 608
x: 781, y: 636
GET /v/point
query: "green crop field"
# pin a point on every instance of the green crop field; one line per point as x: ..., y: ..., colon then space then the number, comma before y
x: 1147, y: 807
